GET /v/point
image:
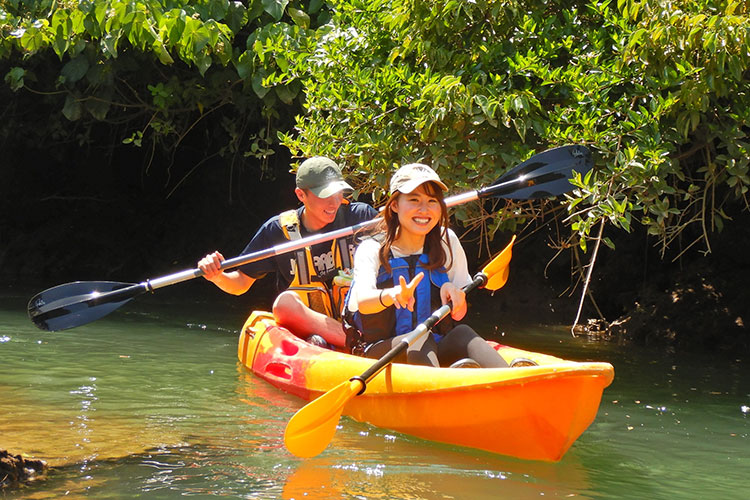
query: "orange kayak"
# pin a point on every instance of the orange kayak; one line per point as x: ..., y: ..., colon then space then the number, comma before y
x: 531, y: 412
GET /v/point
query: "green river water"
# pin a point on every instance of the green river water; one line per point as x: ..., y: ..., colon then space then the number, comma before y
x: 150, y: 402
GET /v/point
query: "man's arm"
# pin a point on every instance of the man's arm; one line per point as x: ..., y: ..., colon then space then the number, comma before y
x: 234, y: 282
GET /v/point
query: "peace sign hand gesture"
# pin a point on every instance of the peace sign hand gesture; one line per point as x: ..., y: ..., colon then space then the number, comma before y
x: 403, y: 294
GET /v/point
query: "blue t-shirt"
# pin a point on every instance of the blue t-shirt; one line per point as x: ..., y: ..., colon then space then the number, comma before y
x: 271, y: 234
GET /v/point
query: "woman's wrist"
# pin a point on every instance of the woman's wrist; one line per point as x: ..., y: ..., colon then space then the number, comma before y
x: 380, y: 298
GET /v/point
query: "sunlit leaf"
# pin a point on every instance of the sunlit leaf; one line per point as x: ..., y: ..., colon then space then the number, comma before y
x: 275, y: 7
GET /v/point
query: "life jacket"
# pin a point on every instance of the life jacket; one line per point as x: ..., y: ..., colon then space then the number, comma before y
x: 324, y: 294
x: 391, y: 322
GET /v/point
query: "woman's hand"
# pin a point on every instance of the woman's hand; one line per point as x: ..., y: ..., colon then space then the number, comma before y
x: 453, y: 294
x: 403, y: 294
x: 211, y: 265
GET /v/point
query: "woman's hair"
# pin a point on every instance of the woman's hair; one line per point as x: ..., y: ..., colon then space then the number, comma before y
x: 389, y: 225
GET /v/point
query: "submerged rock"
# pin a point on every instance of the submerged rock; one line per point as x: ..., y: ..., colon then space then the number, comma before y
x: 15, y: 469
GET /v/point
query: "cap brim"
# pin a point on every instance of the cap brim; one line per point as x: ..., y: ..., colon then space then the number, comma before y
x: 409, y: 186
x: 331, y: 189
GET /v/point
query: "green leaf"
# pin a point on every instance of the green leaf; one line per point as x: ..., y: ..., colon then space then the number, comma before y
x: 244, y: 65
x: 719, y: 223
x: 60, y: 45
x: 299, y: 17
x: 176, y: 27
x: 32, y: 40
x: 315, y: 5
x: 255, y: 10
x: 200, y: 38
x: 72, y: 108
x: 109, y: 44
x: 14, y: 78
x: 203, y: 61
x: 258, y: 87
x: 61, y: 27
x: 235, y: 16
x: 75, y: 69
x: 98, y: 108
x: 100, y: 12
x: 625, y: 222
x: 162, y: 53
x: 275, y: 7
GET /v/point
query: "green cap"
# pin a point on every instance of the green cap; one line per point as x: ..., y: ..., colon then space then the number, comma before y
x: 322, y: 177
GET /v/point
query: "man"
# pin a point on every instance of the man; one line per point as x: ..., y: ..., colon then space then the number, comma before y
x: 311, y: 301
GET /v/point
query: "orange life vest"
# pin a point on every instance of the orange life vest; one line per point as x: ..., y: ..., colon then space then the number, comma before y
x: 324, y: 294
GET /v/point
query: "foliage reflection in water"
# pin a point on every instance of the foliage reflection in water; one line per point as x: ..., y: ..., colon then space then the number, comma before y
x: 151, y: 403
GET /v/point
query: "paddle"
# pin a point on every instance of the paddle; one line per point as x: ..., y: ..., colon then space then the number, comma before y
x: 81, y: 302
x: 543, y: 175
x: 311, y: 429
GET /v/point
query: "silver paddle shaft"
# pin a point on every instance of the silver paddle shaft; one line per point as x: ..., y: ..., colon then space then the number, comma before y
x: 286, y: 247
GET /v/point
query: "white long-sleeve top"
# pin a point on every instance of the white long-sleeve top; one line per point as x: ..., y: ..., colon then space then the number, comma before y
x: 367, y: 265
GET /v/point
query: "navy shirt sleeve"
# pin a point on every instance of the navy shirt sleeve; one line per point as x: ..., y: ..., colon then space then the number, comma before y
x: 360, y: 212
x: 269, y: 235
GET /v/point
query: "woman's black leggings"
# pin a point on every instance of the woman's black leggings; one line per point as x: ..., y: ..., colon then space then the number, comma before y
x: 461, y: 342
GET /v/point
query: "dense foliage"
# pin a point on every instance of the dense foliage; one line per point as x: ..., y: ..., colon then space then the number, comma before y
x: 658, y: 88
x: 152, y: 72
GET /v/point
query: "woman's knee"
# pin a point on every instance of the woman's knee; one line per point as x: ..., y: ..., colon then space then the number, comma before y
x: 456, y: 344
x: 465, y: 342
x: 461, y: 333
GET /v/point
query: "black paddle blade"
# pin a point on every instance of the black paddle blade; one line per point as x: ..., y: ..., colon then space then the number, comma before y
x: 543, y: 175
x: 75, y: 304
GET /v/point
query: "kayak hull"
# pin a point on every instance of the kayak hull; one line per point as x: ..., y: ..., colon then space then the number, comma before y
x: 529, y: 412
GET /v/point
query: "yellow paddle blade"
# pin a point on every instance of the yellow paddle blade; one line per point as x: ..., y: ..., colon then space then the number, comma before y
x: 311, y: 429
x: 497, y: 270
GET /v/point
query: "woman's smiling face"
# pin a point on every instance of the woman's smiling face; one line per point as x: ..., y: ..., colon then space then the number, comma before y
x: 418, y: 212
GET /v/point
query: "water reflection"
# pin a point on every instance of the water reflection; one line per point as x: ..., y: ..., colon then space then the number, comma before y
x: 418, y: 470
x: 363, y: 461
x: 428, y: 473
x: 63, y: 437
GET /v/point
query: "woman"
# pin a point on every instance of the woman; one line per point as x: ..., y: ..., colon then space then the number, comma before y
x: 410, y: 267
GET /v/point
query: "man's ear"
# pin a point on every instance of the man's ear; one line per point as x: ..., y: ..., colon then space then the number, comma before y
x: 301, y: 194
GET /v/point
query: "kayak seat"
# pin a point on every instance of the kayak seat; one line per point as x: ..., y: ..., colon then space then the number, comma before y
x: 318, y: 341
x: 523, y: 362
x: 465, y: 363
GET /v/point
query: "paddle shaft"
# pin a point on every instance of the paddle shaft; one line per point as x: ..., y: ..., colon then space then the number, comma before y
x: 421, y: 329
x: 70, y: 305
x: 498, y: 189
x: 134, y: 290
x: 292, y: 245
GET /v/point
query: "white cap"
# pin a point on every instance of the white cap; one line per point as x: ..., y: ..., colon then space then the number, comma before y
x: 411, y: 176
